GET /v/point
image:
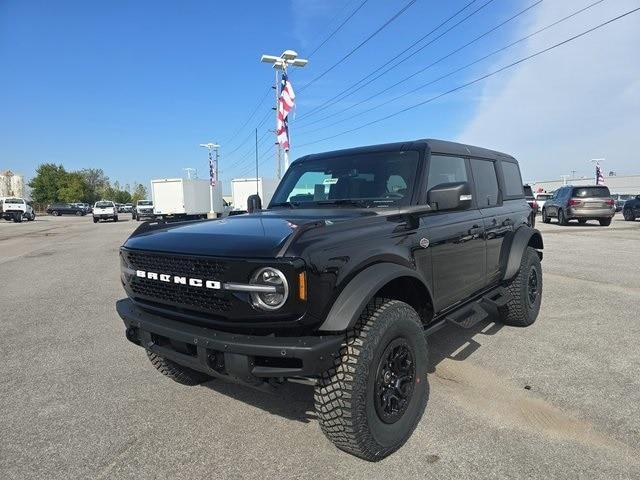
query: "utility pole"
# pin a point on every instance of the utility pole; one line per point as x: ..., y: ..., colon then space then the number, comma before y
x: 213, y: 173
x: 281, y: 63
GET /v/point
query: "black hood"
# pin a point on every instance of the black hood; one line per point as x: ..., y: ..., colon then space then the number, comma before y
x: 257, y: 235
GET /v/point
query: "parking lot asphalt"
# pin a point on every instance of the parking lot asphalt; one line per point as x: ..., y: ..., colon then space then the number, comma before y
x: 560, y: 399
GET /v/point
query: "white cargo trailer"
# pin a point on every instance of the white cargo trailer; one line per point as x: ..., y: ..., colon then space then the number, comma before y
x: 183, y: 197
x: 243, y: 188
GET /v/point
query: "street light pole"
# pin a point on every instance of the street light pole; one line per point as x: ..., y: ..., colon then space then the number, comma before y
x: 213, y: 173
x: 286, y: 59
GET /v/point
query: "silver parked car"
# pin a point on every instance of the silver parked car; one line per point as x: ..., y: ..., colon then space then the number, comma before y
x: 592, y: 202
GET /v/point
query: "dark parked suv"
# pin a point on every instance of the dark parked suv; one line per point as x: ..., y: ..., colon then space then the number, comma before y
x: 631, y: 209
x: 65, y: 209
x: 360, y: 255
x: 585, y: 203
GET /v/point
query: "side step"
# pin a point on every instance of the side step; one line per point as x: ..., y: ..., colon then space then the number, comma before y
x: 472, y: 313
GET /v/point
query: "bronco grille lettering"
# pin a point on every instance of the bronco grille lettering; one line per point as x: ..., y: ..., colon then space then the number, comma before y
x: 179, y: 280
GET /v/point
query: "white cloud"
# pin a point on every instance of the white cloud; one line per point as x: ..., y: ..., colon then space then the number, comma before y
x: 577, y: 102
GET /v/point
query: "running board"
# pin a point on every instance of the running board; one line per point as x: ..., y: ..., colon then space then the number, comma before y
x: 479, y: 310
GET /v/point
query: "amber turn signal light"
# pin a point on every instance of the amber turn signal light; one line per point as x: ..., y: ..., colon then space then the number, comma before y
x: 302, y: 285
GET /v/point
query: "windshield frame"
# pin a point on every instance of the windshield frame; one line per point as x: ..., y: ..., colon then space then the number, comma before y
x: 413, y: 188
x: 104, y: 206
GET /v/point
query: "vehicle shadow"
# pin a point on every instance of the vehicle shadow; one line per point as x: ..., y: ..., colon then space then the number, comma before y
x: 295, y: 401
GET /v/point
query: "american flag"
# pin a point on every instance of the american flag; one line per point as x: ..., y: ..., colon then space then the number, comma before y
x: 285, y: 104
x: 599, y: 175
x: 212, y: 170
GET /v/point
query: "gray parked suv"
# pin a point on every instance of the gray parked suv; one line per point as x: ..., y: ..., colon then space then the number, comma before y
x: 593, y: 202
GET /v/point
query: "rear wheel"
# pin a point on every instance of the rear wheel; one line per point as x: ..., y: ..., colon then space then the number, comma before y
x: 78, y: 214
x: 55, y: 213
x: 545, y: 217
x: 562, y: 220
x: 95, y: 220
x: 628, y: 215
x: 175, y: 371
x: 370, y: 402
x: 604, y: 222
x: 525, y: 290
x: 17, y: 218
x: 115, y: 219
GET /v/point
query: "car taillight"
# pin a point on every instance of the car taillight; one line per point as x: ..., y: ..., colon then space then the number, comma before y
x: 534, y: 204
x: 610, y: 201
x: 573, y: 202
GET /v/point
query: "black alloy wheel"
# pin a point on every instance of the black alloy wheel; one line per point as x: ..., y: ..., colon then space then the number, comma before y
x: 532, y: 286
x: 395, y: 380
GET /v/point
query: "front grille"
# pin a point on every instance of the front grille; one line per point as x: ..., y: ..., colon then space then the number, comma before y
x: 180, y: 294
x: 199, y: 267
x: 197, y: 298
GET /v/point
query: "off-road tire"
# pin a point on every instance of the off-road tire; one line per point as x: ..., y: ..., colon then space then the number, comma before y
x: 604, y: 222
x: 545, y: 217
x: 520, y: 311
x: 562, y: 219
x: 344, y: 397
x: 176, y: 372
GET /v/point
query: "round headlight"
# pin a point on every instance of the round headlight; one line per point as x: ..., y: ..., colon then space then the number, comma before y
x: 270, y: 300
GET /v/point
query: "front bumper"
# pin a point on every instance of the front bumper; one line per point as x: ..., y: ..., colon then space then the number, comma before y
x: 246, y: 358
x: 591, y: 212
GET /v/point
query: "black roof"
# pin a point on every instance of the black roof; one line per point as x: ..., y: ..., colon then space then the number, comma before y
x: 434, y: 145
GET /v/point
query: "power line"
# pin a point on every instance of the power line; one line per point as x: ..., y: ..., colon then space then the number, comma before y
x: 243, y: 143
x: 341, y: 94
x: 356, y: 48
x: 457, y: 70
x: 422, y: 70
x: 476, y: 80
x: 338, y: 28
x: 253, y: 112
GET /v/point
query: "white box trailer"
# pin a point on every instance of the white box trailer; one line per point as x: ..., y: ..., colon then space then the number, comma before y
x: 243, y: 188
x: 183, y: 197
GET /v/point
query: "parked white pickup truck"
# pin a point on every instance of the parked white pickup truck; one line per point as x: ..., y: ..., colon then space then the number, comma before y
x: 16, y: 209
x: 105, y: 210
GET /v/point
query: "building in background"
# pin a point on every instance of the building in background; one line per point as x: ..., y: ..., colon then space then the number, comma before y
x: 11, y: 184
x: 620, y: 184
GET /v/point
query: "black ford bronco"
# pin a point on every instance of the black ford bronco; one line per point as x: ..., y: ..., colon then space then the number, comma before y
x: 360, y: 255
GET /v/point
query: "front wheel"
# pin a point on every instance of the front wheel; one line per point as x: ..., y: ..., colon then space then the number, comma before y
x: 175, y: 371
x: 525, y: 291
x: 545, y: 217
x: 604, y: 222
x: 95, y: 220
x: 371, y: 401
x: 78, y: 214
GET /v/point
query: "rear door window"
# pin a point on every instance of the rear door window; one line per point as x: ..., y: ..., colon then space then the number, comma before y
x: 512, y: 180
x: 486, y: 182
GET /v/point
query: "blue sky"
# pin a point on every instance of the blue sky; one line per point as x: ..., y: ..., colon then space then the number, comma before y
x: 134, y: 87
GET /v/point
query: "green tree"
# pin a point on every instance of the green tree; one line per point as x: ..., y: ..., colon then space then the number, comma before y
x: 122, y: 196
x: 96, y: 182
x: 46, y: 184
x: 73, y: 189
x: 140, y: 193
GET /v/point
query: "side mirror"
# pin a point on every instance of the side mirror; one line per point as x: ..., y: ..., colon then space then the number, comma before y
x: 254, y: 203
x: 450, y: 196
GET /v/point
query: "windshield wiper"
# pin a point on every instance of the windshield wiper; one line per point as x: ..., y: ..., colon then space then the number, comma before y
x: 284, y: 204
x: 345, y: 201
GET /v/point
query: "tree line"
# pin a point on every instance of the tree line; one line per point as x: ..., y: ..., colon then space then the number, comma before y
x: 52, y: 183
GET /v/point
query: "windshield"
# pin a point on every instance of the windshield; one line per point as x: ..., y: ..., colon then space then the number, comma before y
x: 104, y: 205
x: 14, y: 200
x: 585, y: 192
x: 145, y: 203
x: 380, y: 179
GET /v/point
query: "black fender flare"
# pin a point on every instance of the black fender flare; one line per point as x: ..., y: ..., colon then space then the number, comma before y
x: 360, y: 290
x: 514, y: 248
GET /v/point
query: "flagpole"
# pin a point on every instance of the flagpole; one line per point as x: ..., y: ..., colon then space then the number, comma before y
x: 257, y: 178
x: 213, y: 173
x: 288, y: 57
